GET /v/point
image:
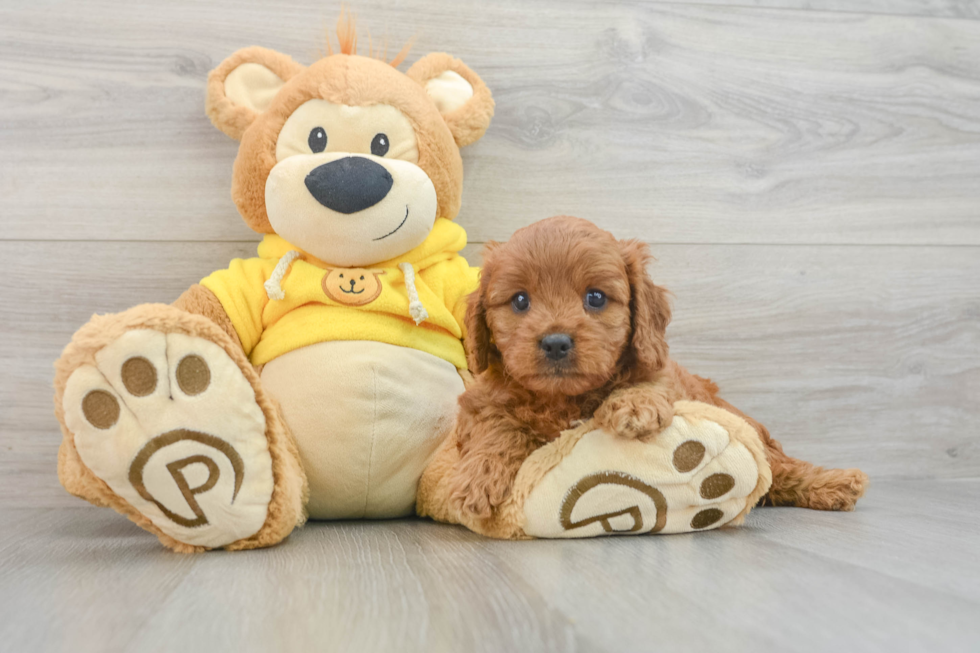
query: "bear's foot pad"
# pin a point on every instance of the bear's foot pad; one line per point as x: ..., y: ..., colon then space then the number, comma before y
x: 171, y: 425
x: 705, y: 470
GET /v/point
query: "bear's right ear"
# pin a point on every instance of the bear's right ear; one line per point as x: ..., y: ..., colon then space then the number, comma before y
x: 244, y: 85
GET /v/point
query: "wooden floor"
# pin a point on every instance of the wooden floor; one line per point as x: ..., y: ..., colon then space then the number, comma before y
x: 898, y: 575
x: 808, y: 174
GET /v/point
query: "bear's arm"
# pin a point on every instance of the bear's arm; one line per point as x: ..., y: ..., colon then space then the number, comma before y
x: 453, y: 281
x: 240, y: 294
x: 200, y: 301
x: 469, y: 283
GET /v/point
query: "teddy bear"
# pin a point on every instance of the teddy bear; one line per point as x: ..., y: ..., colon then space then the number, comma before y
x: 318, y: 378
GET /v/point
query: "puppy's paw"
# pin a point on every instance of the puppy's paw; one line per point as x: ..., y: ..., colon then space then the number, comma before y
x: 482, y: 481
x: 635, y: 413
x: 477, y: 498
x: 472, y: 502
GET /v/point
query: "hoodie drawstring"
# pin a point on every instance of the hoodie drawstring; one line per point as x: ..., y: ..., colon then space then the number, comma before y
x: 273, y: 287
x: 415, y: 307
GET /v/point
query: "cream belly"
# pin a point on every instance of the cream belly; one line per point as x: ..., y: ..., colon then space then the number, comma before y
x: 367, y: 417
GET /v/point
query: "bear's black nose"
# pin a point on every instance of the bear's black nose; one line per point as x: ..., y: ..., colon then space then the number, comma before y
x: 556, y: 345
x: 349, y: 185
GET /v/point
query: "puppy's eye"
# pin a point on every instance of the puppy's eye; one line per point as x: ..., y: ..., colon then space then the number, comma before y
x: 379, y: 146
x: 521, y: 302
x: 317, y: 140
x: 595, y: 299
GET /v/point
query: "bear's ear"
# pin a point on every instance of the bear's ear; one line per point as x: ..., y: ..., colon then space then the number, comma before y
x: 460, y: 95
x: 244, y: 85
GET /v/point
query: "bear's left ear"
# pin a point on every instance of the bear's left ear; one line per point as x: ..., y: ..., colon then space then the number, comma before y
x: 244, y: 85
x: 460, y: 95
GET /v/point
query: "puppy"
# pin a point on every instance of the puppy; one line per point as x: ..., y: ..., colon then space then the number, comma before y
x: 566, y: 325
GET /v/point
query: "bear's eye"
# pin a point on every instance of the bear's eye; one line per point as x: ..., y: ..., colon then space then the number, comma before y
x: 341, y: 276
x: 595, y: 299
x: 362, y: 277
x: 317, y: 140
x: 521, y: 302
x: 379, y: 146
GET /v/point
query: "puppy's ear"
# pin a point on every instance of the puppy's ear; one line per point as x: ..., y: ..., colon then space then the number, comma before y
x: 649, y: 311
x: 479, y: 348
x: 477, y: 333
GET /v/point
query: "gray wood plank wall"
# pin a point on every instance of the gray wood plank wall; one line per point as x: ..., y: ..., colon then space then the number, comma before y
x: 807, y: 171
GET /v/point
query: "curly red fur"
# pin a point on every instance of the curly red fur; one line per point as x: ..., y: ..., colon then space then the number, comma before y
x: 618, y: 370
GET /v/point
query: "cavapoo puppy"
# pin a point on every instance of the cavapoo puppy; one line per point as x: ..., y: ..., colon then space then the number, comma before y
x: 567, y: 325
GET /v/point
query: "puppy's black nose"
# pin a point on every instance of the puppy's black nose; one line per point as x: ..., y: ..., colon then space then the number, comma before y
x: 556, y: 345
x: 349, y: 185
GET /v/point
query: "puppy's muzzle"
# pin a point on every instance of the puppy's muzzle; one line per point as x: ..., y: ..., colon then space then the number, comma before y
x: 350, y: 184
x: 556, y: 345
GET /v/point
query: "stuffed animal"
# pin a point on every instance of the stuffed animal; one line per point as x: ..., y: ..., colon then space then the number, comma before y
x: 319, y: 377
x: 707, y: 469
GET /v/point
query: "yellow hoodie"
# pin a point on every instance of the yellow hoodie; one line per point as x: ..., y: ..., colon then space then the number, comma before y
x: 286, y: 299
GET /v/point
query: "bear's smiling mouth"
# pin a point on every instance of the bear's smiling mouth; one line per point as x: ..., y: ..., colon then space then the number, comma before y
x: 401, y: 224
x: 351, y: 291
